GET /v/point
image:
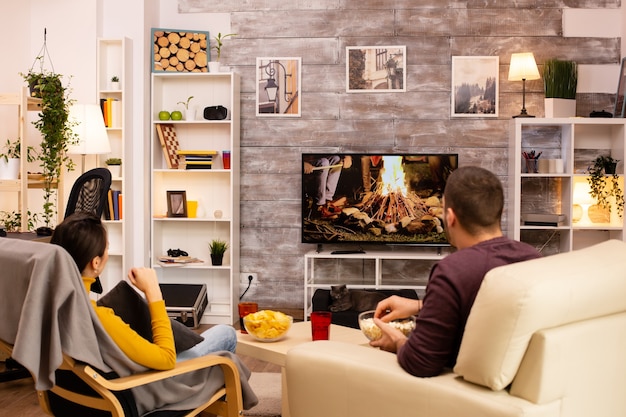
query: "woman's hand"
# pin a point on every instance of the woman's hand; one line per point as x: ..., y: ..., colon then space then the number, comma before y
x: 145, y: 279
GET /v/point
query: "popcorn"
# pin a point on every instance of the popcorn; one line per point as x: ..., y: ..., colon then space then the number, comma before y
x: 373, y: 332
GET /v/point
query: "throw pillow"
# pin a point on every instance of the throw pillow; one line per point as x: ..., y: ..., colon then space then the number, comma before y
x: 131, y: 307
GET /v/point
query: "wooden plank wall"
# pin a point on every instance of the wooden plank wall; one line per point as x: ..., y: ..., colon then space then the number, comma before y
x: 418, y: 120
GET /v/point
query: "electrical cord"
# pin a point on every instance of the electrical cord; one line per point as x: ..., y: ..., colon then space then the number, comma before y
x: 249, y: 284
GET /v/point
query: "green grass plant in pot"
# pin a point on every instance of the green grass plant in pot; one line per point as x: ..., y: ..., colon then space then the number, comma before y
x: 560, y: 79
x: 217, y: 248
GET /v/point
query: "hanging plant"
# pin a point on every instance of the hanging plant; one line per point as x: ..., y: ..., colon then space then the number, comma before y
x: 54, y: 125
x: 604, y: 183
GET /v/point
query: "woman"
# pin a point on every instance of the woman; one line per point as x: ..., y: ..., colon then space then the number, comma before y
x: 85, y: 238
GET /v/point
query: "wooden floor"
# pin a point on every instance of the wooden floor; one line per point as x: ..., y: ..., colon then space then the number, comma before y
x: 18, y: 398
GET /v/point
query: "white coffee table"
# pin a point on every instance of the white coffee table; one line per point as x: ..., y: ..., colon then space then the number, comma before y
x: 276, y: 352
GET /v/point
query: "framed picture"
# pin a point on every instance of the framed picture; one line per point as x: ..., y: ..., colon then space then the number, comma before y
x: 176, y: 204
x: 179, y: 50
x: 375, y: 69
x: 474, y: 86
x: 621, y: 89
x: 278, y: 87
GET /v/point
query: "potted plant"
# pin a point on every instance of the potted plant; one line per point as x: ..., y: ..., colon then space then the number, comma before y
x: 115, y: 166
x: 604, y: 183
x: 10, y: 160
x: 56, y: 131
x: 214, y: 66
x: 560, y: 79
x: 115, y: 82
x: 189, y: 114
x: 217, y: 248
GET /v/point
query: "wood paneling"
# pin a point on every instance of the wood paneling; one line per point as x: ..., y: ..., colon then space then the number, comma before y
x: 418, y: 120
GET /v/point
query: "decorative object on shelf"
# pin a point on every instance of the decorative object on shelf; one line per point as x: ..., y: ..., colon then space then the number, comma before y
x: 278, y: 82
x: 55, y: 128
x: 560, y: 79
x: 603, y: 168
x: 531, y: 161
x: 115, y: 82
x: 583, y: 197
x: 169, y: 144
x: 523, y: 67
x: 88, y: 128
x: 179, y: 50
x: 10, y: 160
x: 176, y: 204
x: 190, y: 114
x: 618, y: 110
x: 164, y: 115
x: 226, y: 159
x: 475, y: 86
x: 192, y: 209
x: 217, y: 248
x: 197, y: 159
x: 115, y: 166
x: 218, y: 214
x: 375, y: 69
x: 214, y: 66
x: 215, y: 112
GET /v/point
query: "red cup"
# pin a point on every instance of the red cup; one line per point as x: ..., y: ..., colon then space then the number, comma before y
x: 226, y: 159
x: 320, y: 325
x: 244, y: 310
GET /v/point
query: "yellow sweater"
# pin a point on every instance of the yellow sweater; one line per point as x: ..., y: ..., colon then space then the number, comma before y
x: 159, y: 354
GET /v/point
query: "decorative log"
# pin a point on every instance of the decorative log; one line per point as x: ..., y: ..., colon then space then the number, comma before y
x: 180, y: 51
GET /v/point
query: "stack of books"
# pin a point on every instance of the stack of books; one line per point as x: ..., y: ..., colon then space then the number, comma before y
x: 201, y: 159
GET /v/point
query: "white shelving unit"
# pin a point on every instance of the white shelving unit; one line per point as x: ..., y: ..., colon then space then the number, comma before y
x: 113, y: 60
x: 376, y: 267
x: 215, y: 189
x: 575, y: 141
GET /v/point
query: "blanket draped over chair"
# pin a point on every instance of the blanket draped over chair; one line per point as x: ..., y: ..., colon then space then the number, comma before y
x: 46, y: 311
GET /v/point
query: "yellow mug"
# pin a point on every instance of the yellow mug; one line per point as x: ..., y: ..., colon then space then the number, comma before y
x: 192, y: 208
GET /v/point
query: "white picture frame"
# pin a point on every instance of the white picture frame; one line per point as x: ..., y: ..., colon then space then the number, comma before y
x: 475, y: 86
x: 376, y: 69
x: 278, y: 87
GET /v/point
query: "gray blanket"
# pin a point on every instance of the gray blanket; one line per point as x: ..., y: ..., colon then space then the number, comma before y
x: 46, y: 311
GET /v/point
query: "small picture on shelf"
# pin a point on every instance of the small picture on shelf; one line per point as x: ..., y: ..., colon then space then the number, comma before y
x: 176, y: 204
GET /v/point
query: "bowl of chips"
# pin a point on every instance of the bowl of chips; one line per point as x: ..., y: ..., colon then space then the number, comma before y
x: 267, y: 325
x: 373, y: 332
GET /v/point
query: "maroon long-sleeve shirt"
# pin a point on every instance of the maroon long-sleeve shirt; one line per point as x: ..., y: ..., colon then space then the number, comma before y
x: 450, y: 293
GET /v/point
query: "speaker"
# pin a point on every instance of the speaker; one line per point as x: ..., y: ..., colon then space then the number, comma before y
x: 215, y: 113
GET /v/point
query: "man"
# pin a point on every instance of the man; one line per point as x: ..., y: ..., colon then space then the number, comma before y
x: 473, y: 203
x: 327, y: 169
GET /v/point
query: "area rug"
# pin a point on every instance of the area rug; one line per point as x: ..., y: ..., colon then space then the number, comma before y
x: 267, y: 386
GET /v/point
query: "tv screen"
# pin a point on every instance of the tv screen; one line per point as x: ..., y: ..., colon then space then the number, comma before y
x: 375, y: 198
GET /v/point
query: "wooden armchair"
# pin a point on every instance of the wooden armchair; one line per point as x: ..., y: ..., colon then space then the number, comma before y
x: 105, y: 396
x: 50, y: 328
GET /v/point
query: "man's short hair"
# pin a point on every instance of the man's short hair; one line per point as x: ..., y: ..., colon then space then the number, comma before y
x: 476, y: 197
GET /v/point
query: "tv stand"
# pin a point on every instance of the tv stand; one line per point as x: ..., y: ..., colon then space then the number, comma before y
x: 375, y: 269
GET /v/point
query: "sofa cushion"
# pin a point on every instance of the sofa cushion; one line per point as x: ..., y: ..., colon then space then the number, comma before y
x: 517, y: 300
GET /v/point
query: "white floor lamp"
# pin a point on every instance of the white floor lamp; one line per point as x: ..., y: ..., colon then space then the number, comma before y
x: 88, y: 126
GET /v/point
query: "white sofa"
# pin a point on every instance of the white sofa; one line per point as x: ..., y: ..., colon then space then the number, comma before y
x: 545, y: 337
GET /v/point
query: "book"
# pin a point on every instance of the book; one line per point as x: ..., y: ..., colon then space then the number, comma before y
x: 196, y: 152
x: 116, y: 204
x: 110, y: 205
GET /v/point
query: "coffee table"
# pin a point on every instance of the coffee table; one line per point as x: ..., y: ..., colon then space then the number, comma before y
x: 276, y: 352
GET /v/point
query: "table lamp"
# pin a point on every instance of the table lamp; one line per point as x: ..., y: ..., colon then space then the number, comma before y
x: 582, y: 197
x: 88, y: 126
x: 523, y: 67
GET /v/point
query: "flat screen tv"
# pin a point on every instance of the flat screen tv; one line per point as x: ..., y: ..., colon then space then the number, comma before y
x: 387, y: 199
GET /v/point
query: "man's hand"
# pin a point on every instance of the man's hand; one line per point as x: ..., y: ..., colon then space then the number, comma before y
x: 392, y: 339
x: 347, y: 162
x: 308, y: 168
x: 395, y: 307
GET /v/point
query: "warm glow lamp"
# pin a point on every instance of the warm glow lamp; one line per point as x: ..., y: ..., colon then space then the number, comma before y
x: 523, y: 67
x: 582, y: 197
x: 88, y: 126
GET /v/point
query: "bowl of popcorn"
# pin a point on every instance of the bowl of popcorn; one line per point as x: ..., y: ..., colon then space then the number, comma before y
x: 267, y: 325
x: 373, y: 332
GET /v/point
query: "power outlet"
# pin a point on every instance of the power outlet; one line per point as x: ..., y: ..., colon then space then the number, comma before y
x: 243, y: 279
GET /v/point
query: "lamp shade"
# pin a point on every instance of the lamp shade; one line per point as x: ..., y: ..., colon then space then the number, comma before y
x: 523, y: 67
x: 582, y: 193
x: 88, y: 126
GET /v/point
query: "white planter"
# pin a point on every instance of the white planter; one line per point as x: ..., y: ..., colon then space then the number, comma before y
x: 115, y: 85
x: 560, y: 107
x: 214, y: 66
x: 116, y: 170
x: 190, y: 114
x: 10, y: 170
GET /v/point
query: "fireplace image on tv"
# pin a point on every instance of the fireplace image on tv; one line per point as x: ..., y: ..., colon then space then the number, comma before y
x: 364, y: 198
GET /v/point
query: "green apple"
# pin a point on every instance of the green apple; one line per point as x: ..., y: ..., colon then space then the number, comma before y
x: 176, y: 115
x: 164, y: 115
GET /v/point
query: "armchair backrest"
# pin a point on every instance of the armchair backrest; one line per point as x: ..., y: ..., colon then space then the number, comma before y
x: 89, y: 192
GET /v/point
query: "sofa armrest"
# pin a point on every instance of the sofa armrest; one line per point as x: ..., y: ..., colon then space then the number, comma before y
x: 335, y: 379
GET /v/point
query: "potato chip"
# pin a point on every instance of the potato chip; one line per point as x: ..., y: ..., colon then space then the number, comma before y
x: 267, y: 324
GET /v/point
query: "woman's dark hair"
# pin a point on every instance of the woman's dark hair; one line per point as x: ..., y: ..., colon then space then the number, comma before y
x: 477, y: 198
x: 83, y: 236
